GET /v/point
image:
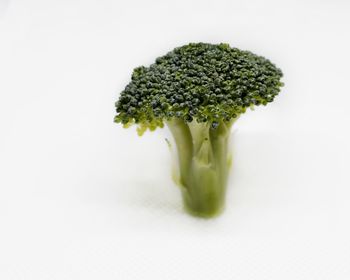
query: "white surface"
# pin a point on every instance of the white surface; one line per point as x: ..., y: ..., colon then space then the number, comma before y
x: 82, y: 198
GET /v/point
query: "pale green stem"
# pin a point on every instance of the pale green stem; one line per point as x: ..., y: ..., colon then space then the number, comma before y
x: 183, y: 140
x: 203, y: 162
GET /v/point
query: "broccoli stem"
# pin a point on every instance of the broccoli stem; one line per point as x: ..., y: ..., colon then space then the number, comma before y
x: 203, y: 165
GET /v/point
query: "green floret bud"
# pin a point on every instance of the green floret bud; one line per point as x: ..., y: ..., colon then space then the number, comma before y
x: 199, y: 90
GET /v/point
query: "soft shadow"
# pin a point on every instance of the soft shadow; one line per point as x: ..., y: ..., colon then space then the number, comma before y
x: 155, y: 196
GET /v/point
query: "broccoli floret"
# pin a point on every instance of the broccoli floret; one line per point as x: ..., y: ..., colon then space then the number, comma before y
x: 199, y: 90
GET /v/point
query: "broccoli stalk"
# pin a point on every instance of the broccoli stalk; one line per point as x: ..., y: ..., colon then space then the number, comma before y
x: 199, y: 90
x: 203, y: 164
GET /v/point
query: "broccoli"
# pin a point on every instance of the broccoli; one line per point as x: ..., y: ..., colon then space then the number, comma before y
x: 199, y: 90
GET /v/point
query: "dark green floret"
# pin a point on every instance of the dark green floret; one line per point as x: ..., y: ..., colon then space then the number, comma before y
x: 198, y: 81
x: 199, y: 90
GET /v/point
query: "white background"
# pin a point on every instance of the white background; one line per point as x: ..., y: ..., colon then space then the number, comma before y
x: 82, y: 198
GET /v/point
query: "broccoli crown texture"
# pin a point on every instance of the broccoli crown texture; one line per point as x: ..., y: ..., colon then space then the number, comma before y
x: 205, y: 82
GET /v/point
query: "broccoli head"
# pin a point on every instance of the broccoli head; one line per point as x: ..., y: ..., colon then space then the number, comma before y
x: 199, y: 90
